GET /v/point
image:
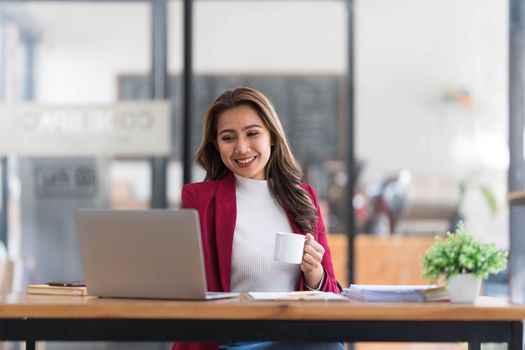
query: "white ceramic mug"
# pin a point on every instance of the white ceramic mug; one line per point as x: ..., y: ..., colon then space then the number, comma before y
x: 289, y: 247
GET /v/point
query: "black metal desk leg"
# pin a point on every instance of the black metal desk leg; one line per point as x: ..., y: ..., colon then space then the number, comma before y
x: 474, y: 345
x: 30, y: 345
x: 516, y: 341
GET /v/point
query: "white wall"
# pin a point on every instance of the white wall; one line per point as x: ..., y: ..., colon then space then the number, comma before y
x: 409, y: 53
x: 83, y: 48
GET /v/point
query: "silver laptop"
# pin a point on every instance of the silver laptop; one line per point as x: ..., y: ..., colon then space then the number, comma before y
x: 154, y: 254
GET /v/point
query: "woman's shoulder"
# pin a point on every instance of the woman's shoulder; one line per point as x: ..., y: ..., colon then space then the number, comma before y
x: 306, y: 186
x: 198, y: 193
x: 209, y: 188
x: 202, y: 185
x: 310, y: 190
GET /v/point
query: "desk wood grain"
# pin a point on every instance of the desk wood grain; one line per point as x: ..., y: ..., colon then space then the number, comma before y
x: 20, y: 305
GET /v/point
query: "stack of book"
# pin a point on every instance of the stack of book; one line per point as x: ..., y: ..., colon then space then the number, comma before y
x: 56, y: 290
x: 396, y: 293
x: 298, y: 295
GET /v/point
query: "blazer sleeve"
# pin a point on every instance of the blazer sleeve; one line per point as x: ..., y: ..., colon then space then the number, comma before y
x: 189, y: 197
x: 330, y: 283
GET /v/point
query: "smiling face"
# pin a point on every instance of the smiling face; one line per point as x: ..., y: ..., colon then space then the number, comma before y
x: 244, y: 142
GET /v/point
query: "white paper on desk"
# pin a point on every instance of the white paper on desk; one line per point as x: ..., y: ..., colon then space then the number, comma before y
x: 296, y: 296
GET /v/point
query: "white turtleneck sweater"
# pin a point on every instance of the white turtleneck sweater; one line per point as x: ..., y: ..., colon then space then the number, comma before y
x: 259, y: 218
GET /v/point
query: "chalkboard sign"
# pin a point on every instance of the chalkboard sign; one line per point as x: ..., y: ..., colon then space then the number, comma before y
x: 310, y: 107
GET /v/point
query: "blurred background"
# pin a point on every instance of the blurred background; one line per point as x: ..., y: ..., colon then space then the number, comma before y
x: 414, y: 93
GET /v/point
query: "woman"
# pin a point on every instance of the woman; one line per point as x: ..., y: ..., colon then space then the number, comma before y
x: 251, y: 191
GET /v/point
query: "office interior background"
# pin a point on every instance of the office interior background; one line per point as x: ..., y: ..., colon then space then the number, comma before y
x: 428, y: 99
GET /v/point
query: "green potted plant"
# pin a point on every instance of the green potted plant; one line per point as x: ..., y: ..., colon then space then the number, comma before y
x: 462, y: 262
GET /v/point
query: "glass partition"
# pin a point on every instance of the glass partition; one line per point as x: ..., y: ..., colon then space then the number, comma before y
x: 70, y: 56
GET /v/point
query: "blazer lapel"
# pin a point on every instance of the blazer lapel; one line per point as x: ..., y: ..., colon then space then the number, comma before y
x: 225, y: 220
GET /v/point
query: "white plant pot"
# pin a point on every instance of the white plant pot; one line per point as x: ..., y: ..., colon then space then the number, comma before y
x: 464, y: 288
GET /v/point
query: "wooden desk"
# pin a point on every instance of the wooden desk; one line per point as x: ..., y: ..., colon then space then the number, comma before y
x: 32, y: 318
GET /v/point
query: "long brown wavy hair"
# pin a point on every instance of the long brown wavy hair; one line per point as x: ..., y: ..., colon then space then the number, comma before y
x: 282, y: 169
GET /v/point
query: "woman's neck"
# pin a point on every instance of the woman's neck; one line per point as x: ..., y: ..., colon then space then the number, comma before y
x: 252, y: 188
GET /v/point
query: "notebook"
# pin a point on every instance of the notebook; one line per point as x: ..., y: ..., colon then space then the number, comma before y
x: 153, y: 254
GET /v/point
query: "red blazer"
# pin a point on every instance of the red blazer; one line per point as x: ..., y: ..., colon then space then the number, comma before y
x: 215, y: 202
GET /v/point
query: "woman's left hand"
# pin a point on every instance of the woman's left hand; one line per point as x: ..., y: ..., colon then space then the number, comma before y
x: 311, y: 264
